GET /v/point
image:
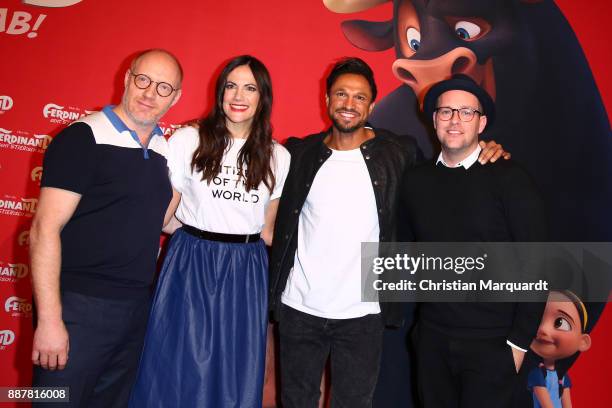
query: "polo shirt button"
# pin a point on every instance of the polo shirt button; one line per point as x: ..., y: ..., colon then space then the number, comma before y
x: 367, y: 157
x: 380, y: 210
x: 364, y: 147
x: 296, y: 211
x: 375, y: 182
x: 287, y: 236
x: 321, y: 160
x: 307, y: 185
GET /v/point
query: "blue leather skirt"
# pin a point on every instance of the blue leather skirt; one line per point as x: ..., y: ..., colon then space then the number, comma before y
x: 206, y: 338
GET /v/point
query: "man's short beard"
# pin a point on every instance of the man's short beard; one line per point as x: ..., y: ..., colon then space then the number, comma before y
x: 136, y: 121
x: 344, y: 129
x: 139, y: 122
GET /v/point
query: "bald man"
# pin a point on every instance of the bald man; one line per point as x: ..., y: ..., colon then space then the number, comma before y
x: 94, y: 239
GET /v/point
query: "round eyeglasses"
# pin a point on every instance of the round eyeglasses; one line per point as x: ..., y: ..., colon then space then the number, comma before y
x: 465, y: 114
x: 142, y: 81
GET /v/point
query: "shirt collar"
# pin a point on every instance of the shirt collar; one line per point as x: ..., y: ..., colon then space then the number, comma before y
x: 327, y: 150
x: 466, y: 163
x: 120, y: 125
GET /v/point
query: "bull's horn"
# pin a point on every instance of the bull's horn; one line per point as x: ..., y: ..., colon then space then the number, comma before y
x: 351, y: 6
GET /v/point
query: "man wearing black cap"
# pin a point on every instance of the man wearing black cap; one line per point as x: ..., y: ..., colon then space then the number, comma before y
x: 469, y: 354
x: 342, y: 189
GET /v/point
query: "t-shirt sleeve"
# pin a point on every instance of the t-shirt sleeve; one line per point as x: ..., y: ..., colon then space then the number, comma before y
x: 282, y: 160
x: 567, y: 383
x: 69, y: 161
x: 536, y: 379
x: 179, y: 156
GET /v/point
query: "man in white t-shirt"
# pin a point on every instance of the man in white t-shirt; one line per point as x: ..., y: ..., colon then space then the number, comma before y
x: 341, y: 190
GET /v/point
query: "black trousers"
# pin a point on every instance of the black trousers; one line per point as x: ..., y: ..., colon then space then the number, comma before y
x: 353, y: 346
x: 106, y: 338
x: 464, y: 372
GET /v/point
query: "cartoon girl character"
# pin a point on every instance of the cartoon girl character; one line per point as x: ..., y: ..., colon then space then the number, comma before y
x: 561, y: 334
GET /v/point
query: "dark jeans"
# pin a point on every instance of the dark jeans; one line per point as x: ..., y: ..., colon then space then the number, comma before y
x: 353, y: 346
x: 106, y: 338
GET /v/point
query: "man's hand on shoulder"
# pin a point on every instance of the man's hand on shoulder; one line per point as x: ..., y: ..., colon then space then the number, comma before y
x: 491, y: 151
x: 51, y: 345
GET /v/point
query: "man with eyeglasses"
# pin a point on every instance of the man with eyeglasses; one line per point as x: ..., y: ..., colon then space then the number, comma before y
x: 95, y: 238
x: 470, y: 354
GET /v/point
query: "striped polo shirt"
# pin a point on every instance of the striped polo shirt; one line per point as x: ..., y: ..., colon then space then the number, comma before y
x: 110, y: 244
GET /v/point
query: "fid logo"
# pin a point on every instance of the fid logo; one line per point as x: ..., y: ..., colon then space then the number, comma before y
x: 24, y: 238
x: 17, y: 306
x: 6, y: 103
x: 18, y: 271
x: 63, y: 115
x: 36, y: 173
x: 7, y: 337
x: 25, y: 207
x: 24, y: 141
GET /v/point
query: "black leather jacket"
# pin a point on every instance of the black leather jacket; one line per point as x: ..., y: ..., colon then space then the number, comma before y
x: 386, y: 156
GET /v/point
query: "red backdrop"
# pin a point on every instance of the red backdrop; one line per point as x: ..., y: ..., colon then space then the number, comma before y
x: 58, y: 63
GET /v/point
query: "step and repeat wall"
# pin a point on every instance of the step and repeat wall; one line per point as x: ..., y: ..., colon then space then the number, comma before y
x: 546, y: 63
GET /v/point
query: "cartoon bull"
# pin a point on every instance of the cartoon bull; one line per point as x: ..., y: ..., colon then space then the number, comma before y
x: 525, y: 54
x: 549, y: 112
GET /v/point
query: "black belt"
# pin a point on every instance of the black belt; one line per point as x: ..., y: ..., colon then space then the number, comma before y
x: 216, y: 236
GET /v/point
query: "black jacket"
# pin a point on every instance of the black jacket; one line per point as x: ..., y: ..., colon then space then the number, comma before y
x: 386, y: 156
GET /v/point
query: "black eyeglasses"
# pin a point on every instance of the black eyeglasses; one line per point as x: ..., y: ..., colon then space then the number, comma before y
x: 465, y: 114
x: 142, y: 81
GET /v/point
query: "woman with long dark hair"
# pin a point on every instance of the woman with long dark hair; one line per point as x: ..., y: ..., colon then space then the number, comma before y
x: 206, y: 339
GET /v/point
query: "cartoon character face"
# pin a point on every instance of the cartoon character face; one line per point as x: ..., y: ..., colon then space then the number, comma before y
x: 560, y: 332
x: 435, y: 39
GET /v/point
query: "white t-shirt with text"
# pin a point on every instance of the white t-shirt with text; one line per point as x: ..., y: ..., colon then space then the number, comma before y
x: 223, y: 206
